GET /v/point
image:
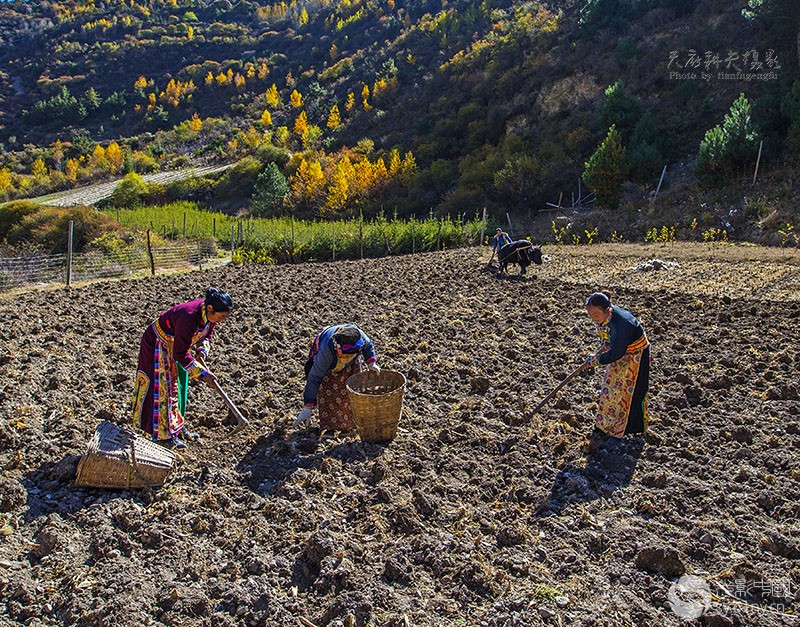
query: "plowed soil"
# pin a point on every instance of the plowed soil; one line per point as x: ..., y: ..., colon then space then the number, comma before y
x: 477, y: 513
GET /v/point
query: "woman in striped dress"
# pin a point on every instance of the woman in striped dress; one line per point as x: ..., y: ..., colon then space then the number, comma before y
x: 173, y: 348
x: 625, y: 352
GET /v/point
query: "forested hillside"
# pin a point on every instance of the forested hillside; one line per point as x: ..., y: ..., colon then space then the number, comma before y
x: 336, y: 107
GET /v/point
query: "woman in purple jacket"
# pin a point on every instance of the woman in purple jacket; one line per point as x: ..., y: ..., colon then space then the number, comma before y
x: 173, y: 348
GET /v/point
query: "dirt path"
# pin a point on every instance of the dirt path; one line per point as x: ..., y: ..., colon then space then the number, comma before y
x: 91, y: 194
x: 474, y: 514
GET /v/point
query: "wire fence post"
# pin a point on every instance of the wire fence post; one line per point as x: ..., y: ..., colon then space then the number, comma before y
x: 483, y: 226
x: 333, y: 241
x: 233, y: 238
x: 291, y: 254
x: 150, y: 255
x: 758, y: 161
x: 661, y: 180
x: 510, y: 228
x: 214, y: 227
x: 69, y: 253
x: 361, y: 231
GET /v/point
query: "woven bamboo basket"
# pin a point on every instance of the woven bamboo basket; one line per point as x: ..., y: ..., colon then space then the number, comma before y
x: 117, y: 458
x: 377, y: 401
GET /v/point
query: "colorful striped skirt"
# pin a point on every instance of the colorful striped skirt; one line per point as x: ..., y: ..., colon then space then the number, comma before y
x: 159, y: 397
x: 622, y: 406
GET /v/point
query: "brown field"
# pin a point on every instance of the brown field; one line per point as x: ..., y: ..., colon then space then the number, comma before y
x: 476, y: 514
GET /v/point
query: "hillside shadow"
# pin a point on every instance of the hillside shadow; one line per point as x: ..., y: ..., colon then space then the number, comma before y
x: 609, y: 466
x: 275, y: 457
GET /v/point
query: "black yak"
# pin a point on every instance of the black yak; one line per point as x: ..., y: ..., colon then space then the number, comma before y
x: 521, y: 252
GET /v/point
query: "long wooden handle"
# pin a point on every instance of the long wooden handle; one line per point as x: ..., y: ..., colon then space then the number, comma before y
x: 553, y: 392
x: 229, y: 402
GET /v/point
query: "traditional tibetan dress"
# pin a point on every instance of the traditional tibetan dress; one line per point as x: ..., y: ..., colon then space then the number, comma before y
x: 326, y: 378
x: 623, y: 399
x: 167, y: 355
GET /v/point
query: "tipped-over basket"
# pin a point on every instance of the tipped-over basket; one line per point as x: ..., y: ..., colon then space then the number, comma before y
x: 117, y: 458
x: 377, y: 401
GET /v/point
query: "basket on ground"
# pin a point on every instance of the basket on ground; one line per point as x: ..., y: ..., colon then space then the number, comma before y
x: 377, y: 401
x: 117, y: 458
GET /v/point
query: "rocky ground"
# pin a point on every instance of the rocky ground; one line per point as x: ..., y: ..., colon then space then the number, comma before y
x: 477, y: 513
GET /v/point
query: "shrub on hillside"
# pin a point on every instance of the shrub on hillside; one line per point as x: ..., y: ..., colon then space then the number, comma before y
x: 49, y: 228
x: 235, y: 187
x: 12, y: 213
x: 129, y: 192
x: 729, y: 145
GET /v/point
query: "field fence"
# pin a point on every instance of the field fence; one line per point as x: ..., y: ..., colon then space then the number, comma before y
x: 40, y: 269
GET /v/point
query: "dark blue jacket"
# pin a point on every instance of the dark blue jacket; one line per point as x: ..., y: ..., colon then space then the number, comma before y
x: 622, y: 330
x: 324, y: 359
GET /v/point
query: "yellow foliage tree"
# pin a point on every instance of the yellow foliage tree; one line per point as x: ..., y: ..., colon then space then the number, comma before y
x: 114, y: 157
x: 266, y: 118
x: 301, y: 124
x: 381, y: 173
x: 210, y: 78
x: 394, y: 162
x: 296, y: 99
x: 71, y: 170
x: 334, y: 119
x: 39, y: 169
x: 339, y: 193
x: 273, y: 97
x: 333, y: 53
x: 97, y: 160
x: 6, y: 185
x: 195, y: 123
x: 190, y: 33
x: 281, y: 136
x: 350, y: 102
x: 303, y: 17
x: 140, y: 83
x: 263, y: 71
x: 408, y: 167
x: 365, y: 98
x: 308, y: 183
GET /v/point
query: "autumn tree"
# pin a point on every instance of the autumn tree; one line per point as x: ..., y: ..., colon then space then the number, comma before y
x: 266, y: 118
x: 334, y: 119
x: 339, y: 192
x: 301, y: 124
x: 6, y: 184
x: 114, y: 157
x: 39, y: 169
x: 296, y: 99
x: 273, y: 97
x: 365, y: 98
x: 308, y: 183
